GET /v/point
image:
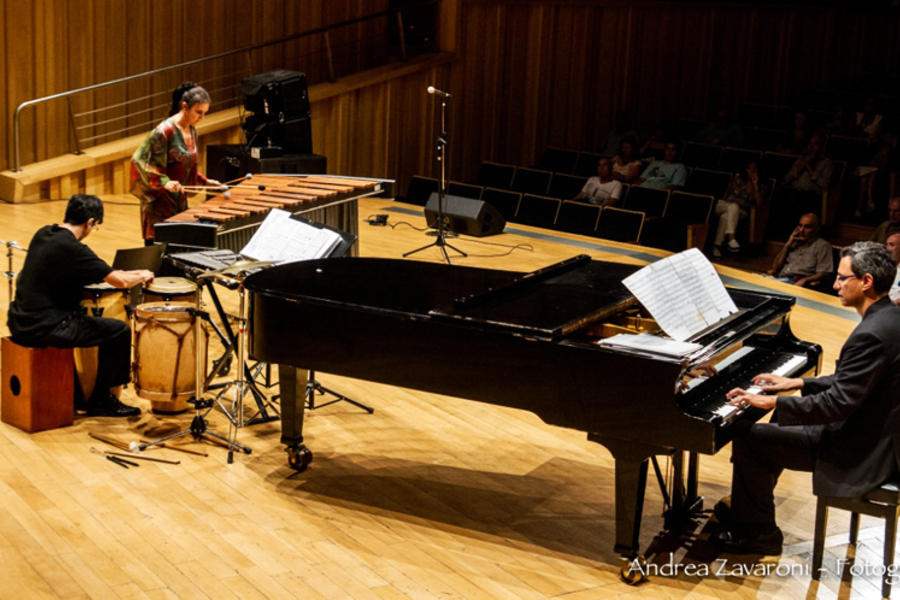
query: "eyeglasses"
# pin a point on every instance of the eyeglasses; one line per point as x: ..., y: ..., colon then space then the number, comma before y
x: 843, y: 278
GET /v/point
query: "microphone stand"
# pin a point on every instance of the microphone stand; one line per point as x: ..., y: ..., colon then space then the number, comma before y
x: 440, y: 233
x: 10, y: 274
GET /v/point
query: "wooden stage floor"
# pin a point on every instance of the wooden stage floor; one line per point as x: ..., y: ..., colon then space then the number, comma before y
x: 429, y: 497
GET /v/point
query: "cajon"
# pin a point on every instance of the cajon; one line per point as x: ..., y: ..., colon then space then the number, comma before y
x: 38, y: 386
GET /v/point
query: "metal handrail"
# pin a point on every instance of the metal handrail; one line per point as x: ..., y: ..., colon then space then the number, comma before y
x: 325, y: 29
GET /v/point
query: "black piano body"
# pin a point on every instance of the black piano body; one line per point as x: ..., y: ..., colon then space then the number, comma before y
x: 524, y: 340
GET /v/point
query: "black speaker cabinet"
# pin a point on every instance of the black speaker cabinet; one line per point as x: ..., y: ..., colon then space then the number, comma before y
x: 226, y: 162
x: 465, y: 215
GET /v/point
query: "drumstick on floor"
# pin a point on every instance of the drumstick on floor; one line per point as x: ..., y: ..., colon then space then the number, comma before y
x: 176, y: 448
x: 109, y: 440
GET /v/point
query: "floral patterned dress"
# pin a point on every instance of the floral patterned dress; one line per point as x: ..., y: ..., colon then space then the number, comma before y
x: 164, y: 155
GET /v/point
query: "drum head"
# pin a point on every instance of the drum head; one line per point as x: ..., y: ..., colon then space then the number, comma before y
x: 171, y: 285
x: 164, y: 310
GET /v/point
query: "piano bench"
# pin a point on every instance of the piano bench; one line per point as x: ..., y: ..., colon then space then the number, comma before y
x: 882, y: 501
x: 38, y: 386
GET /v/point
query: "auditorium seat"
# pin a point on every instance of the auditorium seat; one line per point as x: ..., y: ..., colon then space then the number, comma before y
x: 851, y: 149
x: 565, y: 186
x: 620, y: 225
x: 505, y: 201
x: 531, y: 181
x: 420, y: 189
x: 578, y: 217
x: 558, y: 160
x: 685, y: 223
x: 734, y: 160
x: 466, y: 190
x: 708, y: 181
x: 586, y: 165
x: 705, y: 156
x: 650, y: 201
x: 495, y: 175
x: 777, y: 164
x: 539, y: 211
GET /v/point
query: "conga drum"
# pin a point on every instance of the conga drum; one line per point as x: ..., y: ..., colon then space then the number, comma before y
x: 171, y: 289
x: 97, y: 300
x: 165, y: 354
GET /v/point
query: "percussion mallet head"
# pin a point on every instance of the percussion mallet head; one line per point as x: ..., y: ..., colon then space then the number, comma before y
x: 135, y: 446
x: 248, y: 176
x: 227, y: 195
x: 261, y: 187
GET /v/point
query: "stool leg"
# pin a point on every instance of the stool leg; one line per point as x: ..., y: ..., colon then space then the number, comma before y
x: 819, y: 537
x: 854, y: 527
x: 890, y: 535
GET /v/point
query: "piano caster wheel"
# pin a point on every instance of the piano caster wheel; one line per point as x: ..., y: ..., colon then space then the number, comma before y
x: 633, y: 571
x: 299, y: 458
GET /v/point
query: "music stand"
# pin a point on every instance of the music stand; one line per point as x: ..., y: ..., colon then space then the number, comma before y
x: 441, y: 234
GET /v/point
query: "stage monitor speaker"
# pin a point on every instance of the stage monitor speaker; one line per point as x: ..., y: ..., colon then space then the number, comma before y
x: 465, y: 215
x: 276, y: 92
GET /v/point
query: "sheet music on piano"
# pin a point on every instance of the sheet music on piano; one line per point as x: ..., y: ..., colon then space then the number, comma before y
x: 283, y: 239
x: 683, y: 293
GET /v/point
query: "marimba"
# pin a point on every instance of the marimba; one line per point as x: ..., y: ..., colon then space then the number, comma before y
x: 230, y: 222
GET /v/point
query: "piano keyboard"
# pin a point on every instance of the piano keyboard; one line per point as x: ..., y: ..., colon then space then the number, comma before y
x: 707, y: 400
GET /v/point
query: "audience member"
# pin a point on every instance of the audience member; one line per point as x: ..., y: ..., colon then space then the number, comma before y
x: 891, y: 226
x: 722, y: 131
x: 626, y: 167
x: 745, y: 192
x: 840, y: 122
x: 654, y: 147
x: 666, y: 173
x: 805, y: 258
x: 811, y: 172
x: 601, y: 189
x: 893, y: 244
x: 868, y: 122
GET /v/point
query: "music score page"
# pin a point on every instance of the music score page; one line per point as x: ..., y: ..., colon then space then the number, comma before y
x: 682, y: 292
x: 283, y: 239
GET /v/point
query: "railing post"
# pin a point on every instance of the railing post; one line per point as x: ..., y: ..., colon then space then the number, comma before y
x: 72, y: 127
x: 17, y: 165
x: 331, y: 76
x: 402, y: 32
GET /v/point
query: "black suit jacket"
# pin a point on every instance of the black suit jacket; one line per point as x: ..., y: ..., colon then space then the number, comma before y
x: 857, y: 408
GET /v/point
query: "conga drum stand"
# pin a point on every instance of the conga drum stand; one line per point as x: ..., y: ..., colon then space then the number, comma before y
x: 198, y: 428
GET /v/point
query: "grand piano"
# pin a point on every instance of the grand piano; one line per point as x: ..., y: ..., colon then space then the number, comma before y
x: 529, y: 341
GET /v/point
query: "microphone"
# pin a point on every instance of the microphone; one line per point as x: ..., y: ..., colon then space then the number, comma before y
x: 433, y: 90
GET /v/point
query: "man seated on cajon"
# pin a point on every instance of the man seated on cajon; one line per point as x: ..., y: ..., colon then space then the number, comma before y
x: 47, y: 310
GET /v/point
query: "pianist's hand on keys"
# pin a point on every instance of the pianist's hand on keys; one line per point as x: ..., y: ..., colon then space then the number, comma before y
x: 758, y: 394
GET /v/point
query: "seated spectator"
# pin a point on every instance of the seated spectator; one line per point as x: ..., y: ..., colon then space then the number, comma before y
x: 655, y: 145
x: 874, y: 174
x: 840, y: 122
x: 812, y: 171
x: 722, y: 131
x: 626, y: 167
x: 745, y: 192
x: 868, y: 122
x: 664, y: 174
x: 805, y: 258
x: 891, y: 226
x: 797, y: 138
x: 621, y: 131
x: 893, y: 244
x: 602, y: 189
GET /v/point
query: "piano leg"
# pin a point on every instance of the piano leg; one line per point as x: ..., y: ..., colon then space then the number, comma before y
x: 292, y: 386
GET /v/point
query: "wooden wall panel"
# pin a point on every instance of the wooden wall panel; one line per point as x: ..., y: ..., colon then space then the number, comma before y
x: 52, y: 46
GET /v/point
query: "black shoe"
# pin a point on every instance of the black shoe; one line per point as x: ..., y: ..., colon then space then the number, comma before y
x: 111, y: 407
x: 755, y: 541
x: 722, y: 511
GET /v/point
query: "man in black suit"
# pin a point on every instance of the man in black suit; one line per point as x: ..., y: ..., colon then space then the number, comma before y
x: 845, y: 428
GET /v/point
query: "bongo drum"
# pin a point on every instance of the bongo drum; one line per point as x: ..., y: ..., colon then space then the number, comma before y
x: 171, y: 289
x: 97, y: 300
x: 165, y: 354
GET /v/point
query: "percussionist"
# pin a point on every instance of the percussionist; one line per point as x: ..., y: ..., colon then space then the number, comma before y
x: 46, y: 310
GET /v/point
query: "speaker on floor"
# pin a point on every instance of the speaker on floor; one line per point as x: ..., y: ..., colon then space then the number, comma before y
x: 465, y: 215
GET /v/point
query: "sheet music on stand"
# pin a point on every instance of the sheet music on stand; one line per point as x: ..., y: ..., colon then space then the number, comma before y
x: 281, y: 238
x: 683, y: 293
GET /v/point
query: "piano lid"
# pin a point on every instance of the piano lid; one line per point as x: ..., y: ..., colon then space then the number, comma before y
x: 545, y: 304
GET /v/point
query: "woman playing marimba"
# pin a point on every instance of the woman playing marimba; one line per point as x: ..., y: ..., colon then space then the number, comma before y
x: 167, y: 160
